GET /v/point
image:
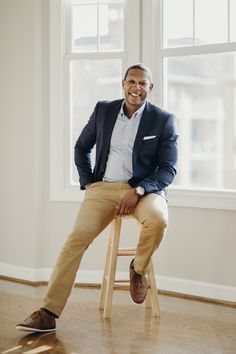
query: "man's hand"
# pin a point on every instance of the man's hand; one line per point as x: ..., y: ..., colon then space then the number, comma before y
x: 127, y: 204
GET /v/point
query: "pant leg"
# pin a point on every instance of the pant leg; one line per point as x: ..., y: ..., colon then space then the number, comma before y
x: 96, y: 212
x: 152, y: 213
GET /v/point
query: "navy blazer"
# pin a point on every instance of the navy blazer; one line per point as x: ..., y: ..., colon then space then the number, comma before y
x: 154, y: 150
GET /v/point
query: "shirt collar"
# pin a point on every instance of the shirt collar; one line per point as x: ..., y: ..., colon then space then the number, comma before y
x: 137, y: 113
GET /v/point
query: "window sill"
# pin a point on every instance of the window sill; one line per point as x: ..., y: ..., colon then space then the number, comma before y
x: 202, y: 198
x: 182, y: 197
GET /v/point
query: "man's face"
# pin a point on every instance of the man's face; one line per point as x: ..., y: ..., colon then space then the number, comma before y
x: 136, y: 88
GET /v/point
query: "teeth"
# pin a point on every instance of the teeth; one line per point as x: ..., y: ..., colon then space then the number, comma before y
x: 134, y: 94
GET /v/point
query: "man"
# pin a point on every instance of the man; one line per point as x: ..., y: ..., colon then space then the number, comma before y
x: 136, y: 153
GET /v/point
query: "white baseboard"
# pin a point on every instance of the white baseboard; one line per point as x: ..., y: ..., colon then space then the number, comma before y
x: 176, y: 285
x: 197, y: 288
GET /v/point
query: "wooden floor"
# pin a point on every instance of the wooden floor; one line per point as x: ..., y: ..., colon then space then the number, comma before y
x: 185, y: 326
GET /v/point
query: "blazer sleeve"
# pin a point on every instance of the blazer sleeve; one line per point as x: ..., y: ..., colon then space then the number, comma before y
x: 166, y: 159
x: 83, y: 147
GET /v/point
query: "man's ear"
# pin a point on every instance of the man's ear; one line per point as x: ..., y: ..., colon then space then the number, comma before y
x: 123, y: 83
x: 150, y: 87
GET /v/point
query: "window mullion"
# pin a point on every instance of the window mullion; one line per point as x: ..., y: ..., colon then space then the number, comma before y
x: 229, y: 20
x: 199, y: 49
x: 68, y: 28
x: 98, y: 29
x: 95, y: 55
x: 133, y: 31
x: 161, y: 66
x: 194, y: 24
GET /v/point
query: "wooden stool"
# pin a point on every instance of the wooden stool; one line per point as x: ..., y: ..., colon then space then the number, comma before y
x: 108, y: 281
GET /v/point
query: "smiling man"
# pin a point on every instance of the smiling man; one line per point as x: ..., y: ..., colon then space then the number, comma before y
x: 136, y: 154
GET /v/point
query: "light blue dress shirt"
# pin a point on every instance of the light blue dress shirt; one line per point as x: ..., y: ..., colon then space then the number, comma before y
x: 119, y: 164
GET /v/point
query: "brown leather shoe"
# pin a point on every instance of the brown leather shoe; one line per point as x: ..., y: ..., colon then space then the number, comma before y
x: 38, y: 321
x: 138, y: 285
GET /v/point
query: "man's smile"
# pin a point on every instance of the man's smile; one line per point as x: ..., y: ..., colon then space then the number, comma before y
x: 134, y: 94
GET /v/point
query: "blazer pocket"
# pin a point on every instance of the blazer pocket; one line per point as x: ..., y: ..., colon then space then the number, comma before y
x: 148, y: 137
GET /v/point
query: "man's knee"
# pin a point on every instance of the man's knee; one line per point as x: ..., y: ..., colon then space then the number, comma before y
x: 156, y: 223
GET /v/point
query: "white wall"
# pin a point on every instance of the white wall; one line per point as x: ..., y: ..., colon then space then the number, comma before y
x: 198, y: 253
x: 20, y: 155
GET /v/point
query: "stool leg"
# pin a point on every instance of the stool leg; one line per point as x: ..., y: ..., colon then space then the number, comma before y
x: 153, y: 291
x: 115, y: 234
x: 105, y: 274
x: 148, y: 299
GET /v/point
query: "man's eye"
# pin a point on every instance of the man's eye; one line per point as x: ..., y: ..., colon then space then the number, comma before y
x: 132, y: 83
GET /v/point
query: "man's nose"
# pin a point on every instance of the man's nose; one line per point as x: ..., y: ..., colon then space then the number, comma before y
x: 137, y: 84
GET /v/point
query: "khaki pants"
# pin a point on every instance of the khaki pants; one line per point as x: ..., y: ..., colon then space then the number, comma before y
x: 96, y: 212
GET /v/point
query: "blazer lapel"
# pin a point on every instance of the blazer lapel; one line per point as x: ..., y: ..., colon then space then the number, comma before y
x: 109, y: 123
x: 144, y: 125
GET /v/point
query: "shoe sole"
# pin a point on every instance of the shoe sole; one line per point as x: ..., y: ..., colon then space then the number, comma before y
x: 29, y: 329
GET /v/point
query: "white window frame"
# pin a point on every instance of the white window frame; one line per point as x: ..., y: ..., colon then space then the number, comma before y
x: 144, y: 29
x: 153, y: 55
x: 60, y: 55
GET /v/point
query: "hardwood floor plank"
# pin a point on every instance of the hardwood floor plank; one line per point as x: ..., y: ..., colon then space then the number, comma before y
x: 185, y: 326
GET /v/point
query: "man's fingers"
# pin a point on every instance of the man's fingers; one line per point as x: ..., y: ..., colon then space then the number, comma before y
x: 117, y: 211
x: 123, y: 209
x: 120, y: 210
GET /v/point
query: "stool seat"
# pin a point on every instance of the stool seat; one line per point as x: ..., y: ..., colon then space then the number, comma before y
x: 108, y: 280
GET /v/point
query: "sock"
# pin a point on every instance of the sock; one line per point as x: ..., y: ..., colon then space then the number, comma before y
x: 49, y: 312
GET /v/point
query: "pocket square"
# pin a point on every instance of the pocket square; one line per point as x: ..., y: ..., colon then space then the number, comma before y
x: 149, y: 137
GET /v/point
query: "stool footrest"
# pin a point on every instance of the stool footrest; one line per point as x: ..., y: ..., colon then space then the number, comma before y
x: 117, y: 282
x: 126, y: 252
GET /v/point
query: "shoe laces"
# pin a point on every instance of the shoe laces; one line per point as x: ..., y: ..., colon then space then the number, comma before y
x: 33, y: 315
x: 138, y: 279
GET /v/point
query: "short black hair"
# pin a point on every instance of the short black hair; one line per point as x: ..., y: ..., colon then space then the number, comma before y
x: 140, y: 66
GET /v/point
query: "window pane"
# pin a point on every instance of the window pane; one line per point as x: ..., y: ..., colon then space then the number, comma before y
x: 97, y: 26
x: 111, y: 24
x: 84, y: 28
x: 201, y: 91
x: 177, y: 23
x: 232, y: 21
x: 211, y: 21
x: 91, y: 81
